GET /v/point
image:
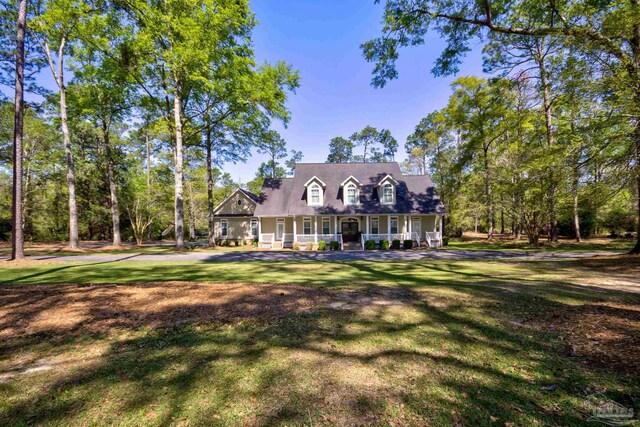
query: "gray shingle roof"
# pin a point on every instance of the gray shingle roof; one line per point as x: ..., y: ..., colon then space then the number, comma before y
x: 415, y: 194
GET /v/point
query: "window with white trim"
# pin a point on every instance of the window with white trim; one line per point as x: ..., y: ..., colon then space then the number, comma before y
x: 326, y: 226
x: 394, y: 225
x: 254, y: 227
x: 375, y: 226
x: 315, y: 195
x: 306, y: 226
x: 387, y: 194
x: 224, y: 228
x: 352, y: 194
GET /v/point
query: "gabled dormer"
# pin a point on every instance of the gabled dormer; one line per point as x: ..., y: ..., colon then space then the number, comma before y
x: 351, y: 191
x: 315, y: 191
x: 387, y: 187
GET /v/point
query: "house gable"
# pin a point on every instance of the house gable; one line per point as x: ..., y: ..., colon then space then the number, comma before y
x: 239, y: 203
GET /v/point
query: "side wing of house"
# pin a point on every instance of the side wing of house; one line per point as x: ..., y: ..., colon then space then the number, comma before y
x: 234, y: 217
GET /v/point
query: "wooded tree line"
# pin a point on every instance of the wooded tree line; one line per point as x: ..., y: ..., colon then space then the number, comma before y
x: 161, y: 95
x: 552, y: 140
x: 375, y: 146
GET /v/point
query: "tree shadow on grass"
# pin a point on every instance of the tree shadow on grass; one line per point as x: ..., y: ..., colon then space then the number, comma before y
x: 272, y: 354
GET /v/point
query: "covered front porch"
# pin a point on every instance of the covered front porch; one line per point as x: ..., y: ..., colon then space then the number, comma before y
x: 352, y: 230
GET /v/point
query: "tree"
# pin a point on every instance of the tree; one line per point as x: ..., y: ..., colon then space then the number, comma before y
x: 477, y: 108
x: 378, y: 146
x: 428, y: 139
x: 273, y: 146
x: 102, y: 94
x: 295, y: 157
x: 366, y: 138
x: 181, y: 49
x: 17, y: 238
x: 340, y: 150
x: 57, y: 23
x: 608, y: 35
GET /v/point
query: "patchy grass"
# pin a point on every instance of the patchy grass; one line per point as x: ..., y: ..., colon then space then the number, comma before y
x: 318, y: 343
x: 479, y: 242
x: 104, y: 247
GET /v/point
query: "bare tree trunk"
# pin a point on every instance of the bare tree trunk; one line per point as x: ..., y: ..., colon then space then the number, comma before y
x: 71, y: 177
x: 551, y: 141
x: 489, y: 194
x: 148, y: 160
x: 636, y: 137
x: 17, y: 237
x: 210, y: 207
x: 115, y: 211
x: 576, y: 216
x: 179, y: 203
x: 191, y: 212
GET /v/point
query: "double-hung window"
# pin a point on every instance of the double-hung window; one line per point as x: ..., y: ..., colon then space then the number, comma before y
x: 306, y: 226
x: 326, y: 226
x: 315, y: 194
x: 387, y: 194
x: 254, y: 227
x: 224, y: 228
x: 394, y: 225
x: 352, y: 194
x: 375, y: 226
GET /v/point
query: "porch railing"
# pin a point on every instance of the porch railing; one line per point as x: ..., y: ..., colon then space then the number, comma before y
x: 309, y: 238
x: 267, y: 238
x: 390, y: 237
x: 433, y: 238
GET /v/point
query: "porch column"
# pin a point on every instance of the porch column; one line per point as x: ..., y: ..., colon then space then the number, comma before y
x: 335, y: 226
x: 315, y: 229
x: 389, y: 227
x: 441, y: 233
x: 366, y: 231
x: 435, y: 224
x: 409, y: 227
x: 295, y: 230
x: 259, y: 229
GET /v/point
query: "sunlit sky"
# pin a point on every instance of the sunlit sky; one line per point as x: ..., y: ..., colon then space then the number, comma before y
x: 321, y: 39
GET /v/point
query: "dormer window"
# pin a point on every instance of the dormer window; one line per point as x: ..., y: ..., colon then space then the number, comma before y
x: 352, y: 194
x: 315, y: 191
x: 387, y: 194
x: 387, y: 190
x: 314, y: 188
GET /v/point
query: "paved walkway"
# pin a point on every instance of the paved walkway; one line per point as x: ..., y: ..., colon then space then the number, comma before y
x: 238, y: 256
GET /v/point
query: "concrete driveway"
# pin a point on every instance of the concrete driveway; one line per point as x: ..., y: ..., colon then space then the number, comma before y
x: 248, y: 256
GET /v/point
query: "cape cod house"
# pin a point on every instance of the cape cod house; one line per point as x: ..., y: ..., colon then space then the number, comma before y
x: 345, y: 202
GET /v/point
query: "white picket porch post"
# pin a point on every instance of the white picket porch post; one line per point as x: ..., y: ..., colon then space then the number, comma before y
x: 388, y: 227
x: 315, y: 229
x: 295, y: 230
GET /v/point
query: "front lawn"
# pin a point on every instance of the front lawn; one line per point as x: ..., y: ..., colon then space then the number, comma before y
x: 479, y: 242
x: 318, y: 343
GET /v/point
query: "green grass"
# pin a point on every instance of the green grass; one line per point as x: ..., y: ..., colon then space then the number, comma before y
x: 426, y: 343
x: 564, y: 245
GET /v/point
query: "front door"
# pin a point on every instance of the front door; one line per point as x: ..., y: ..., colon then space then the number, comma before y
x: 416, y: 226
x: 279, y: 230
x: 350, y: 231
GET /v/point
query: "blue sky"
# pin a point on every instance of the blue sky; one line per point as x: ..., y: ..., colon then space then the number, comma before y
x: 321, y: 39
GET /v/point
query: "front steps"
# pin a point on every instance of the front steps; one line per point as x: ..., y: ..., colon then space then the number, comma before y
x: 351, y: 246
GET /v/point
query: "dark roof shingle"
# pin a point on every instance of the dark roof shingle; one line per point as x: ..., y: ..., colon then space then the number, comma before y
x: 287, y: 196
